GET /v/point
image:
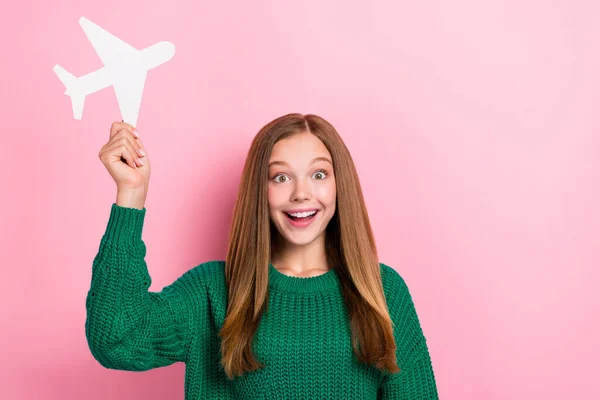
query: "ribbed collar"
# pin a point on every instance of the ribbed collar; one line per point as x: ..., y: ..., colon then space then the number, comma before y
x: 313, y: 284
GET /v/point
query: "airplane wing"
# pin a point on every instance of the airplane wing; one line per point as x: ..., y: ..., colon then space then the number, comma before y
x: 129, y: 89
x: 110, y: 49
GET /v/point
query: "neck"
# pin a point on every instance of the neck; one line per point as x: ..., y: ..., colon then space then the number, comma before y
x: 300, y: 260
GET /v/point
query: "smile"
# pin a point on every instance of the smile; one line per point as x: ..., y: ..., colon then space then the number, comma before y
x: 302, y: 220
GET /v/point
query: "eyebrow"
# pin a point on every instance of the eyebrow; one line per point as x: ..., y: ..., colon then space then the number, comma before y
x: 312, y: 162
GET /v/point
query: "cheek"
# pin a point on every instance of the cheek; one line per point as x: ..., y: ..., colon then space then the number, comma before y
x: 275, y: 196
x: 326, y: 194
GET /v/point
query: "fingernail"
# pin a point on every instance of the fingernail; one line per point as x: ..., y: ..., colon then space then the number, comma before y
x: 136, y: 133
x: 140, y: 161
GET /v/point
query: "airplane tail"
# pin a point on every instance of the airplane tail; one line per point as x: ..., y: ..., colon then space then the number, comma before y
x: 70, y: 82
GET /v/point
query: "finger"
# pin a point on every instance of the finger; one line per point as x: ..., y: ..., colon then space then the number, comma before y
x: 137, y: 144
x: 117, y: 126
x: 122, y: 132
x: 124, y: 150
x: 125, y: 154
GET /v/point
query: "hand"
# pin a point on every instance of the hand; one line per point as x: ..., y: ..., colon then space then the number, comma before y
x: 122, y: 158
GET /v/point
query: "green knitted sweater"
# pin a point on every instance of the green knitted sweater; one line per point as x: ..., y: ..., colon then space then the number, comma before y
x: 304, y: 338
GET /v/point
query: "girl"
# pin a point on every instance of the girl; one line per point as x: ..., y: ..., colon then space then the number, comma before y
x: 300, y: 309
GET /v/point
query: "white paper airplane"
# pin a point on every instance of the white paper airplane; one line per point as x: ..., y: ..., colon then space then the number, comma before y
x: 125, y: 68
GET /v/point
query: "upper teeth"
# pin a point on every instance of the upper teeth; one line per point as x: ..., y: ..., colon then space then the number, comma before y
x: 302, y: 214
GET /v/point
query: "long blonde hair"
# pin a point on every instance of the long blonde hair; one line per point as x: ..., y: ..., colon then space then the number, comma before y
x: 350, y: 247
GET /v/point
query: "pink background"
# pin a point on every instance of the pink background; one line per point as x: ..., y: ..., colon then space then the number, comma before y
x: 473, y: 126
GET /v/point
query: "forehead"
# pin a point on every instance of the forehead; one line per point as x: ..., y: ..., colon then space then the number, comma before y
x: 299, y: 149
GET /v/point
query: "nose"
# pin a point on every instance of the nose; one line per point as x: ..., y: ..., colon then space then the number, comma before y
x: 302, y: 191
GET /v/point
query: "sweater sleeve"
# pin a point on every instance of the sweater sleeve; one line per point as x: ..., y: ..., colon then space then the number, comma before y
x: 416, y: 380
x: 127, y: 327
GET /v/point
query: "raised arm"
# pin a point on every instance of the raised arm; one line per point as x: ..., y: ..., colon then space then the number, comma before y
x: 128, y: 327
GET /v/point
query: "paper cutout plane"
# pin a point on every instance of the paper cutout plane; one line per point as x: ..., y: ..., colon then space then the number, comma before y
x: 125, y: 68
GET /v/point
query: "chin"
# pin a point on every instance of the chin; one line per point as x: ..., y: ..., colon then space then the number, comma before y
x: 295, y: 240
x: 301, y: 240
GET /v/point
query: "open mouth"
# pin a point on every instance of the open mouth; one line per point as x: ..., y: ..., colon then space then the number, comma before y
x: 301, y: 219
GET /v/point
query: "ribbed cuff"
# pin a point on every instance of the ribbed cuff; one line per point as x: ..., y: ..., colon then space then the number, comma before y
x: 125, y: 224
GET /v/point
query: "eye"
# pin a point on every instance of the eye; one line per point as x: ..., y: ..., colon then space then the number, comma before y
x: 321, y: 172
x: 277, y: 176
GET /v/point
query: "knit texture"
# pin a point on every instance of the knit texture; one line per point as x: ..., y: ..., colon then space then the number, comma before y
x: 303, y: 339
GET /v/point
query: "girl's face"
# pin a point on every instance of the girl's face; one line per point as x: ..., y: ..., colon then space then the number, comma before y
x: 301, y: 180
